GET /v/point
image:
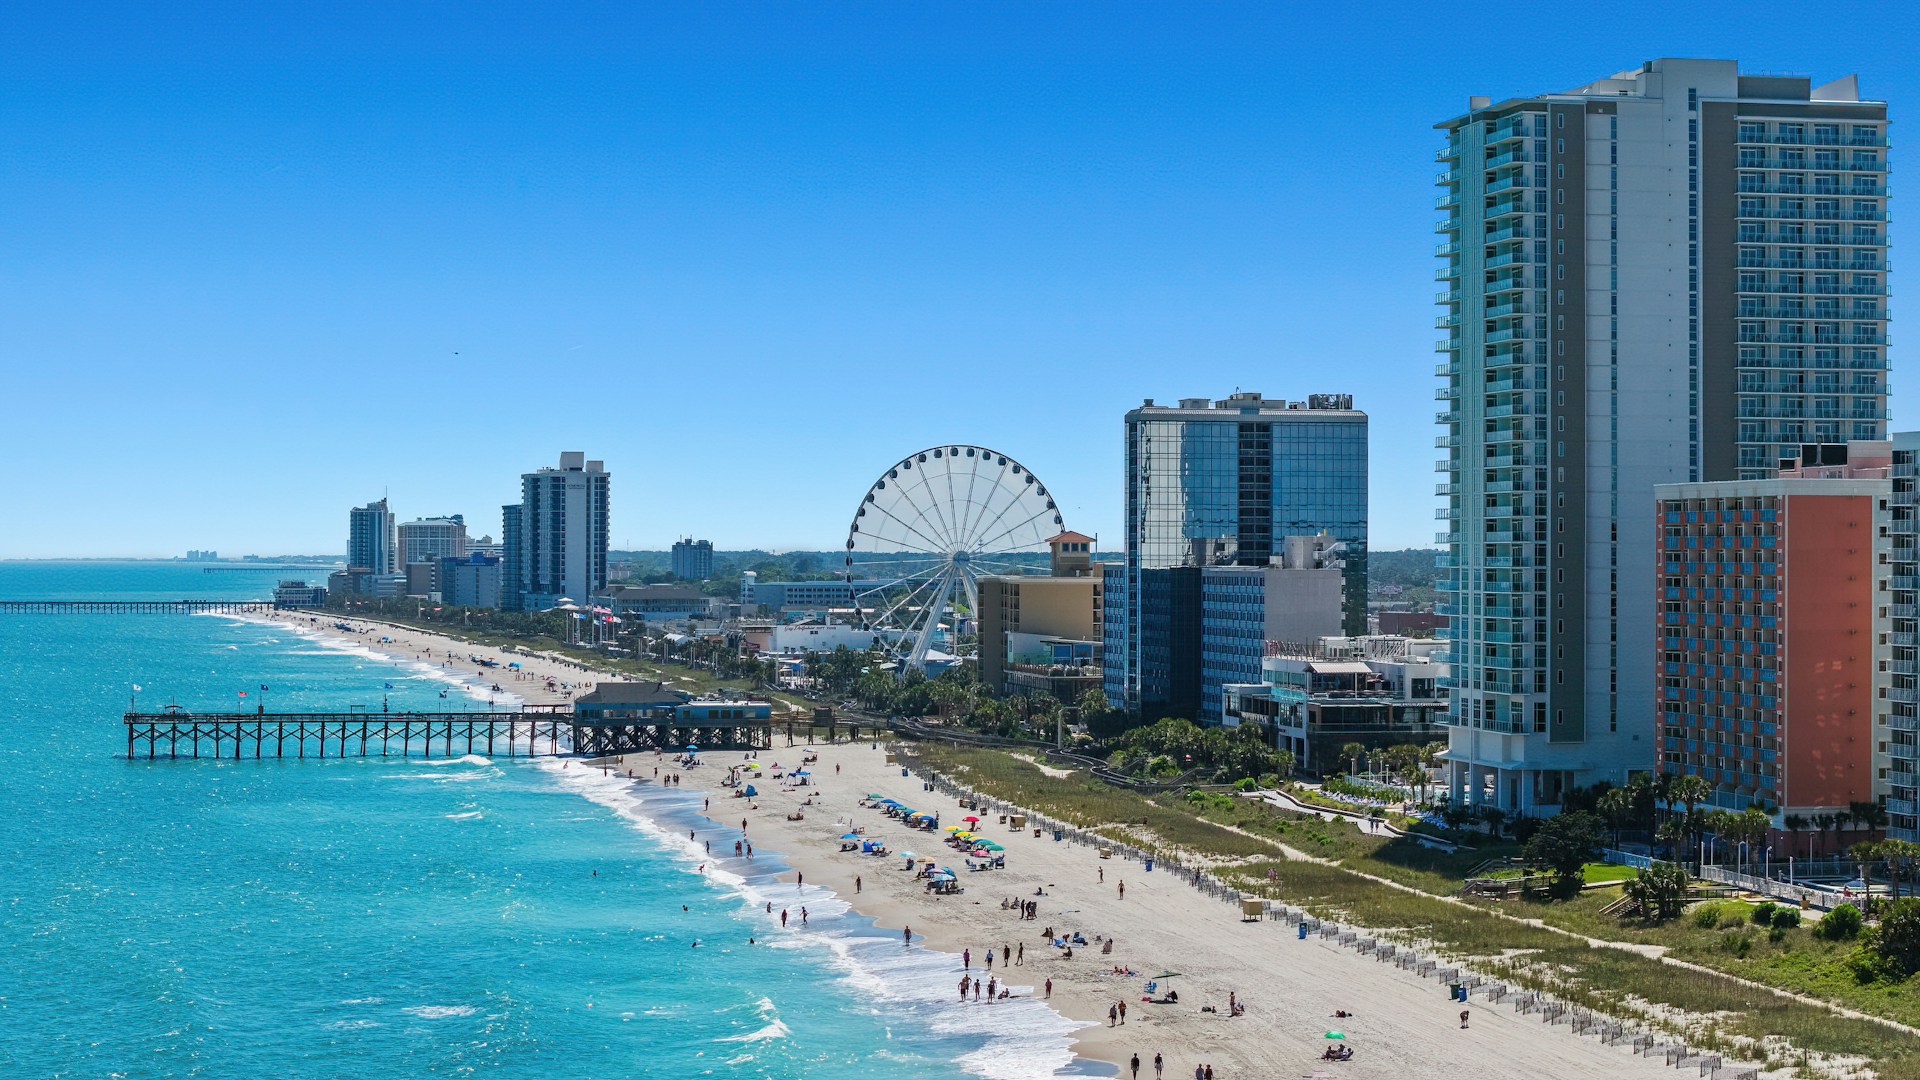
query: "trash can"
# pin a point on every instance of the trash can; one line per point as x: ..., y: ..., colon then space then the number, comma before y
x: 1303, y: 930
x: 903, y: 772
x: 1056, y: 836
x: 1149, y: 866
x: 1458, y: 993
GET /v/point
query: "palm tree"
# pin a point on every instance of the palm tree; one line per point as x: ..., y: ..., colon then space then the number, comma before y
x: 1616, y: 806
x: 1689, y: 791
x: 1796, y: 824
x: 1823, y: 822
x: 1352, y: 751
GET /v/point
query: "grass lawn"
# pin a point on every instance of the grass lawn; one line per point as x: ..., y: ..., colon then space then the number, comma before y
x: 1595, y: 873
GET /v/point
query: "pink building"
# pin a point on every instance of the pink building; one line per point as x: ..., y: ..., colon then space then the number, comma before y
x: 1772, y: 630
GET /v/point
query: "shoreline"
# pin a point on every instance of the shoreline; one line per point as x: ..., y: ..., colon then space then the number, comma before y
x: 1290, y: 988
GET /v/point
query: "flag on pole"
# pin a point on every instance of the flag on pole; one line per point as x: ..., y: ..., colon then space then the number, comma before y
x: 136, y: 688
x: 263, y: 688
x: 243, y: 693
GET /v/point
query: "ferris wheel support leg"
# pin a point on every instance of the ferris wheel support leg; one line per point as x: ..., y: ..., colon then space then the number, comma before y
x: 936, y: 604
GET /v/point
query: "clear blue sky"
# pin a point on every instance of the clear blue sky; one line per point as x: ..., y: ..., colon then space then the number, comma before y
x: 261, y: 262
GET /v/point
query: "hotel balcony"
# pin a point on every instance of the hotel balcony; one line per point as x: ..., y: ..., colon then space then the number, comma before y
x: 1790, y: 164
x: 1804, y: 139
x: 1810, y: 214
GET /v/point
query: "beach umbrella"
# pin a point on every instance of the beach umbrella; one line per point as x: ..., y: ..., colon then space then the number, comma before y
x: 970, y: 817
x: 875, y: 795
x: 850, y: 836
x: 1336, y: 1034
x: 796, y: 772
x: 691, y: 749
x: 988, y: 845
x: 1163, y: 974
x: 955, y: 829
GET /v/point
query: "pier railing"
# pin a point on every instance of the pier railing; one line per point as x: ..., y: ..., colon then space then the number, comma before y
x: 532, y: 731
x: 132, y: 607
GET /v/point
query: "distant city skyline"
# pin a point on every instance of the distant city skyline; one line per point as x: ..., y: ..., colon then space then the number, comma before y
x: 396, y: 254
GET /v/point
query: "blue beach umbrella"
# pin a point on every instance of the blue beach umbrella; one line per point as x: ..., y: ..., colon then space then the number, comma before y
x: 850, y: 836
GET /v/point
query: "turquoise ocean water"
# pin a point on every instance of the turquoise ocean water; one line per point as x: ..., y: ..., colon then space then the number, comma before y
x: 396, y: 918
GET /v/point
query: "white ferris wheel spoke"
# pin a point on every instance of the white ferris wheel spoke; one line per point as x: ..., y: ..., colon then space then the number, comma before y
x: 985, y: 505
x: 1009, y: 532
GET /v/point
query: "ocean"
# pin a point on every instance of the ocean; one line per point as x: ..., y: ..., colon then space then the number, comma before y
x: 397, y: 918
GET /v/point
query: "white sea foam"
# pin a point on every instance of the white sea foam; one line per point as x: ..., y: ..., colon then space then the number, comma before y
x: 1025, y: 1036
x: 440, y: 1012
x: 467, y: 816
x: 773, y: 1029
x: 332, y: 643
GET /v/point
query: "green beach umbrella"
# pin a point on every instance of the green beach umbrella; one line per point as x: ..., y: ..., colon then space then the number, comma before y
x: 1336, y: 1034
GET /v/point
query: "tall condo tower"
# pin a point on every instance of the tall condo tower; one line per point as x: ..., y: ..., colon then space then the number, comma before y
x: 370, y: 538
x: 1224, y: 483
x: 1673, y: 275
x: 556, y: 536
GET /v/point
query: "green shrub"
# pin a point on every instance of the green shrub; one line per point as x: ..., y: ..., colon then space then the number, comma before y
x: 1762, y: 914
x: 1841, y: 924
x: 1247, y: 784
x: 1737, y: 942
x: 1706, y: 915
x: 1785, y: 918
x: 1776, y: 934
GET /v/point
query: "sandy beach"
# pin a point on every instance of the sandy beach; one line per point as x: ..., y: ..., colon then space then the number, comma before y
x: 1400, y: 1025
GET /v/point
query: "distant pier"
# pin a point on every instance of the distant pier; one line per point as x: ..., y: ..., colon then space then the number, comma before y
x: 532, y: 731
x: 132, y: 607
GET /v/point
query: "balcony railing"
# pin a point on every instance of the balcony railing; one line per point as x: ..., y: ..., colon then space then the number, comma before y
x: 1810, y: 214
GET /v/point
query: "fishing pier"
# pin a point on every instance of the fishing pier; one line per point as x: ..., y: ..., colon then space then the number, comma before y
x: 532, y: 731
x: 133, y: 607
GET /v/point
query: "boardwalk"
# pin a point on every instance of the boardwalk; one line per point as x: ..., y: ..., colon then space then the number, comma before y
x: 131, y: 607
x: 535, y: 731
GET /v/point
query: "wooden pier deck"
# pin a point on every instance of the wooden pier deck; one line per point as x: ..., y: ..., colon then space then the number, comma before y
x: 534, y: 731
x: 131, y: 607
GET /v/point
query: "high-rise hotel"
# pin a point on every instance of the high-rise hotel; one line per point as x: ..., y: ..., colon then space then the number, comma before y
x: 1672, y: 275
x: 556, y: 535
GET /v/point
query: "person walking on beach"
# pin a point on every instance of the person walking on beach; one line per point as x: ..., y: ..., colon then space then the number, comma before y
x: 989, y: 960
x: 736, y: 849
x: 965, y: 982
x: 906, y: 936
x: 1020, y: 960
x: 1157, y: 1065
x: 1006, y: 955
x: 1463, y: 1017
x: 856, y: 884
x: 1102, y: 871
x: 966, y: 959
x: 1123, y: 1012
x: 991, y: 983
x: 1113, y: 1015
x: 783, y: 918
x: 1123, y: 890
x: 1049, y: 988
x: 976, y: 989
x: 1136, y: 1065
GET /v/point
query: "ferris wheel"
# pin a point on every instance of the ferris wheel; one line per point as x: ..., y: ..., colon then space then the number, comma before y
x: 925, y: 534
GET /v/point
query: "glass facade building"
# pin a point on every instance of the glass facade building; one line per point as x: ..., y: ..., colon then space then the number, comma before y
x: 1223, y: 483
